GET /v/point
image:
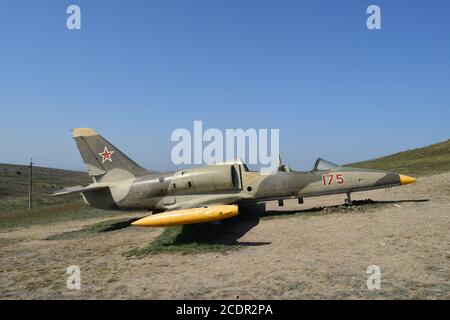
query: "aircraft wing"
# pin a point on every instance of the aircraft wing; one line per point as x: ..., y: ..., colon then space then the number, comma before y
x: 77, y: 189
x: 189, y: 216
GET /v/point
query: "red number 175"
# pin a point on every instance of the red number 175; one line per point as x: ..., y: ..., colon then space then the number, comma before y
x: 327, y: 179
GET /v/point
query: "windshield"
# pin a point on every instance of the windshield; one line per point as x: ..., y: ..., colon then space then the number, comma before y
x: 322, y: 165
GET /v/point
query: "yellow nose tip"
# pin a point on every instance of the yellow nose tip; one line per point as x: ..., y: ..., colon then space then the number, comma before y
x: 407, y: 179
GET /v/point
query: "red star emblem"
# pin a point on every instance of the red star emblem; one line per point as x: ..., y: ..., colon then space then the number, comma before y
x: 106, y: 155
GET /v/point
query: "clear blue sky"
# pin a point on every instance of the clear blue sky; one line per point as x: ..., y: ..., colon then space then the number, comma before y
x: 137, y: 70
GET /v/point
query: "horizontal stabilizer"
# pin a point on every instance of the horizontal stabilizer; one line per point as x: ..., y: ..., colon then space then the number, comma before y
x: 77, y: 189
x: 189, y: 216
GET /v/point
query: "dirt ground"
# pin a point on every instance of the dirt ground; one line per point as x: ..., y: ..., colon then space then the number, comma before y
x: 322, y: 255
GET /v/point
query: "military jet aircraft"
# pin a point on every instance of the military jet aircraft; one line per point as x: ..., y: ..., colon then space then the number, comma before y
x: 210, y: 192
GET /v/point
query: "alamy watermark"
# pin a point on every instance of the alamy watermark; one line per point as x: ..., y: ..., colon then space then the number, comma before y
x: 73, y: 282
x: 374, y: 280
x: 73, y: 21
x: 373, y: 22
x: 213, y: 146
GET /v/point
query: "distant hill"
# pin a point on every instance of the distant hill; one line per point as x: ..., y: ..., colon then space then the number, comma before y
x: 14, y: 180
x: 428, y: 160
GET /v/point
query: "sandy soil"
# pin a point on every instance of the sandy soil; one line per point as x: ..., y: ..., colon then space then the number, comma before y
x: 316, y: 256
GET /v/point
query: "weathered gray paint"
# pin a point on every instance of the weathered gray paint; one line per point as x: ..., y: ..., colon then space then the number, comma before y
x: 131, y: 187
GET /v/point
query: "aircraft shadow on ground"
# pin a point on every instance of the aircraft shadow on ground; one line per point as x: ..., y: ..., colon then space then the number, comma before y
x: 401, y: 201
x: 358, y: 205
x: 101, y: 227
x: 225, y: 232
x: 228, y: 232
x: 118, y: 225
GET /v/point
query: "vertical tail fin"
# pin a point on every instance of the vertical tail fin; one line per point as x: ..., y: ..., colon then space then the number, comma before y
x: 100, y: 156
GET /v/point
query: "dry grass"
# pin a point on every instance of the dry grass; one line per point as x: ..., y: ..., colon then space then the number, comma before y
x: 425, y: 161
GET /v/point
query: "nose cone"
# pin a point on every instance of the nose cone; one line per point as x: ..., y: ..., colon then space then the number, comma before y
x: 406, y: 179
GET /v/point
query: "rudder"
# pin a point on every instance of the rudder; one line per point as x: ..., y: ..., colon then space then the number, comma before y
x: 100, y: 156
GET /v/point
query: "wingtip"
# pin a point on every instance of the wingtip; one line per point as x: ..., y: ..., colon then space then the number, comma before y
x: 83, y: 132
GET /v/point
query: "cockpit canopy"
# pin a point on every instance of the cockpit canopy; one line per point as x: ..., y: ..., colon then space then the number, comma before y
x: 323, y: 165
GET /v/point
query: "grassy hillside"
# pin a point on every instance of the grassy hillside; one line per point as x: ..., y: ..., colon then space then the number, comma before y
x: 417, y: 162
x: 46, y: 209
x: 14, y: 180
